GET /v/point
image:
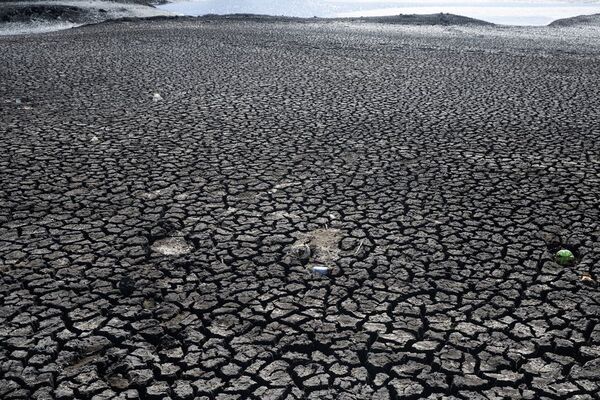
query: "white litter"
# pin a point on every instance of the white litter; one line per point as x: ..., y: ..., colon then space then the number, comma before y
x: 320, y: 269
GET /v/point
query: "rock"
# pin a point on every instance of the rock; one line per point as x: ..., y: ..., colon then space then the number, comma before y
x: 140, y: 377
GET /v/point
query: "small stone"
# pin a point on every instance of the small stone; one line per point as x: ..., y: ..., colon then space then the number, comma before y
x: 158, y: 390
x: 426, y: 345
x: 118, y: 382
x: 406, y: 388
x: 149, y: 303
x: 183, y: 390
x: 140, y: 377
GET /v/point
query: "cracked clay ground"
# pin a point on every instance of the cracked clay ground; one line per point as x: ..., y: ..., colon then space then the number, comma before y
x: 161, y: 246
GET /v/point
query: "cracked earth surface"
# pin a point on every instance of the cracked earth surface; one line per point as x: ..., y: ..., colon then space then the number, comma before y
x: 162, y: 247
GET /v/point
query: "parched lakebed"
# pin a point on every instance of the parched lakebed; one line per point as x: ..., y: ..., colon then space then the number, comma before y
x: 169, y: 187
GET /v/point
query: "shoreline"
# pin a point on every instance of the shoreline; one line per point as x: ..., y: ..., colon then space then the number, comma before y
x: 45, y: 16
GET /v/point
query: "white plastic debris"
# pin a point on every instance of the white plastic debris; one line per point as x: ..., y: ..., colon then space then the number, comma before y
x: 94, y: 139
x: 156, y: 97
x: 320, y: 269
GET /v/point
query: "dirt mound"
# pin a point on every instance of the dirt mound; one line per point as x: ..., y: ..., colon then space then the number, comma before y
x: 427, y: 19
x: 581, y: 20
x: 36, y: 12
x: 401, y: 19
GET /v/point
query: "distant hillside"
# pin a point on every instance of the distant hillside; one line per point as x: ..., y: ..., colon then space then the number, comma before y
x: 41, y: 12
x: 581, y: 20
x: 27, y: 16
x: 16, y: 17
x: 402, y: 19
x: 424, y: 19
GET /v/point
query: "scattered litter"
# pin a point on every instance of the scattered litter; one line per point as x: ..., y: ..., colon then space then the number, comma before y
x: 360, y: 245
x: 323, y: 243
x: 156, y: 97
x: 587, y: 279
x: 564, y: 257
x: 320, y: 269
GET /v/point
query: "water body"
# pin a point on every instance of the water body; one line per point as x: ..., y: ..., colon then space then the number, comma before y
x: 508, y: 12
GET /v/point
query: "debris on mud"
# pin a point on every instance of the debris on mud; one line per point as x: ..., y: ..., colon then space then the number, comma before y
x: 564, y: 257
x: 587, y: 279
x: 322, y: 245
x: 156, y: 97
x: 320, y: 270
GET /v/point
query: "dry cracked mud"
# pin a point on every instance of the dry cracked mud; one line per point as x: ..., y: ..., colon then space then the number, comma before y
x: 162, y: 249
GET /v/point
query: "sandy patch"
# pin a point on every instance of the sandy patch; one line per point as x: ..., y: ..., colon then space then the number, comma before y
x: 172, y: 246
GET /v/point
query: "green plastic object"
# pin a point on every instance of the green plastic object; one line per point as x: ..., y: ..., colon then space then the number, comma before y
x: 564, y: 257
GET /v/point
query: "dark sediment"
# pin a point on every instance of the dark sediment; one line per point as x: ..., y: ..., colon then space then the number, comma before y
x: 168, y: 187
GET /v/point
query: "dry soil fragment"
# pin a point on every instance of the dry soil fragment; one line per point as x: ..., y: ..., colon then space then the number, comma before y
x: 172, y: 246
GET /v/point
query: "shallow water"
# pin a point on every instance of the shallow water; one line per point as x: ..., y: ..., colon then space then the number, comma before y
x: 509, y: 12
